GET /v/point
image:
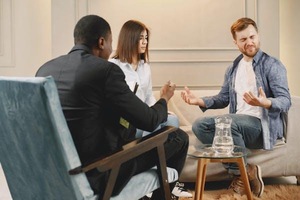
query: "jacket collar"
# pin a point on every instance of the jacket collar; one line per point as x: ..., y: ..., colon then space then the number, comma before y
x: 81, y: 47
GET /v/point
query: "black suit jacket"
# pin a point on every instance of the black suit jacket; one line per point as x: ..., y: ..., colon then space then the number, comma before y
x: 94, y: 96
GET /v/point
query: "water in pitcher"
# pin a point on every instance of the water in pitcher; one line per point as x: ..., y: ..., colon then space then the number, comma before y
x: 223, y: 142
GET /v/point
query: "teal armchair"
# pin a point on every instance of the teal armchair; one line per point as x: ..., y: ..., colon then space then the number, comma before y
x: 38, y: 155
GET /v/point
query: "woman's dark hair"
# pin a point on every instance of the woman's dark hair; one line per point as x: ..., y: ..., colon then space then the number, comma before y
x: 128, y: 42
x: 89, y: 29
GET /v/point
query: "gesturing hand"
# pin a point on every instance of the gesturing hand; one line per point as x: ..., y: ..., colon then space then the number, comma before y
x: 167, y: 91
x: 190, y: 98
x: 261, y: 100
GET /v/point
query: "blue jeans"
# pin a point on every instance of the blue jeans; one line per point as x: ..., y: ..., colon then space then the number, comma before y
x: 171, y: 121
x: 246, y: 132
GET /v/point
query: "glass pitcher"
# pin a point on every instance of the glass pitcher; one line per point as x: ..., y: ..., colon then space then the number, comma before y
x: 223, y: 142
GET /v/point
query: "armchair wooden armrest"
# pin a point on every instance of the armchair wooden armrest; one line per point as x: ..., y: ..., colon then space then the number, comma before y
x: 129, y: 151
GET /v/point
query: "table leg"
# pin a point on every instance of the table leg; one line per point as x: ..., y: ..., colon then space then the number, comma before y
x: 244, y: 176
x: 201, y: 175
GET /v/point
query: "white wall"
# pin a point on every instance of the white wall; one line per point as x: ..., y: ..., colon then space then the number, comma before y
x: 289, y: 41
x: 25, y: 36
x: 190, y: 40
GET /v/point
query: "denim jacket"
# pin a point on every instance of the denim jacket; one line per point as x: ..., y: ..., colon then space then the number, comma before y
x: 271, y: 76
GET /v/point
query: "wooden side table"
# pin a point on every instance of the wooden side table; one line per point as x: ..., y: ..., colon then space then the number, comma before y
x: 205, y: 155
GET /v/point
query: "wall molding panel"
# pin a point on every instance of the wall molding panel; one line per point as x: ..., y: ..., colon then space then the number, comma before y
x: 183, y: 46
x: 190, y: 41
x: 190, y: 49
x: 81, y: 8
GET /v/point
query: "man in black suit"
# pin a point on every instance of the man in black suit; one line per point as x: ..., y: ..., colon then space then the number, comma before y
x: 100, y: 109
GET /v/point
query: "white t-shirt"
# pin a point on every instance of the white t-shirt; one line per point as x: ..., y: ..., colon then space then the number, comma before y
x: 245, y: 81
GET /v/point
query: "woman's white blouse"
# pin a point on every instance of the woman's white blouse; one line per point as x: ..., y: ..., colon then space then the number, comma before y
x: 141, y: 76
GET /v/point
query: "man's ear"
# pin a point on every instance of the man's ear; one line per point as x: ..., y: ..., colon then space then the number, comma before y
x: 234, y: 41
x: 101, y: 41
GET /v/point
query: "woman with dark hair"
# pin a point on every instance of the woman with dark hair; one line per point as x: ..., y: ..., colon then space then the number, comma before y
x: 132, y: 56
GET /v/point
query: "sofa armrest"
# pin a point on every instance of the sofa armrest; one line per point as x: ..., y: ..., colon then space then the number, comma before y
x: 293, y: 125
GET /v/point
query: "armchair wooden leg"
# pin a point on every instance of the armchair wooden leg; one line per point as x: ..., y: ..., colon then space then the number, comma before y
x: 111, y: 182
x: 162, y: 172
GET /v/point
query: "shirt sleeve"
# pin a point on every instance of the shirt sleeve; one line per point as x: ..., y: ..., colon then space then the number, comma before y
x: 277, y: 89
x: 150, y: 99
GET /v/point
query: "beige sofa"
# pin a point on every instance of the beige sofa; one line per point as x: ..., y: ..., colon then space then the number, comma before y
x: 283, y: 160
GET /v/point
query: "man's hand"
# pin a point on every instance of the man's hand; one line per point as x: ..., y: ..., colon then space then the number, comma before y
x: 190, y: 98
x: 261, y: 100
x: 167, y: 91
